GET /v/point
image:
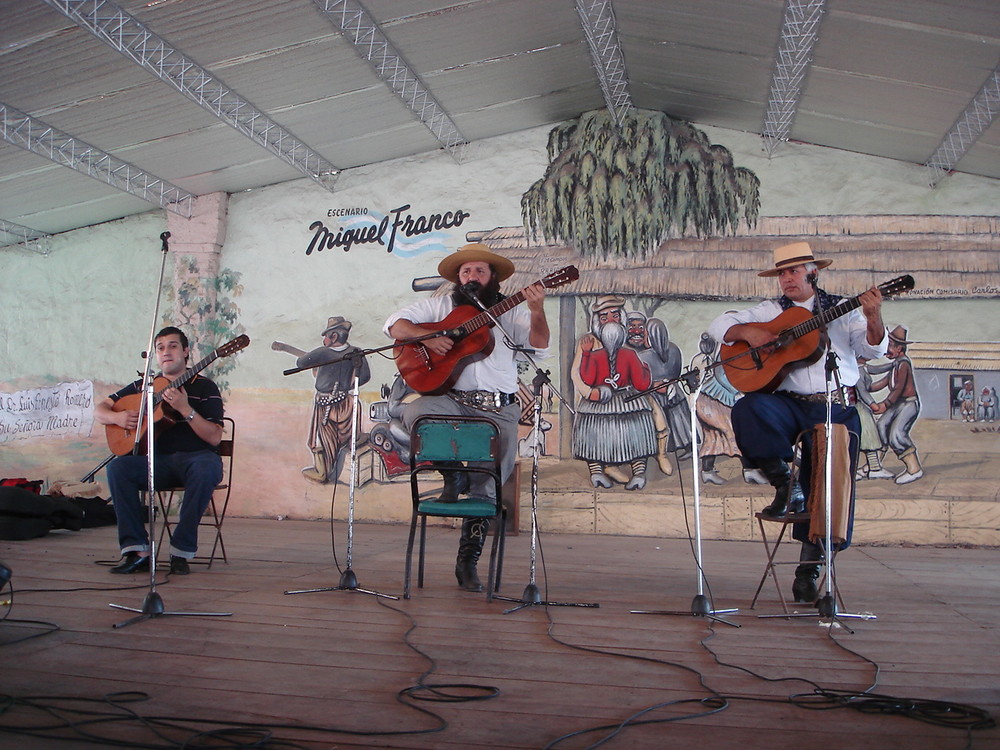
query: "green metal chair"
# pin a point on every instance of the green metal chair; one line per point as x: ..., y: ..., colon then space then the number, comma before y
x: 439, y: 442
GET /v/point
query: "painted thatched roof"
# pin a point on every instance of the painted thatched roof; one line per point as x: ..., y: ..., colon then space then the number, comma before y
x: 949, y: 257
x: 970, y: 356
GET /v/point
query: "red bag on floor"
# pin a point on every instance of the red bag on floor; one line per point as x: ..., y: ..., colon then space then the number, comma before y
x: 33, y: 485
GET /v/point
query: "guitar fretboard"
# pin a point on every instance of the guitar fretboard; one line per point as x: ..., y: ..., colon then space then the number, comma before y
x: 186, y: 376
x: 483, y: 318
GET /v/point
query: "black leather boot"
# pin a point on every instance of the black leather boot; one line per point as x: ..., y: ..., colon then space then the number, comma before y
x: 786, y: 492
x: 470, y: 547
x: 804, y: 586
x: 455, y: 483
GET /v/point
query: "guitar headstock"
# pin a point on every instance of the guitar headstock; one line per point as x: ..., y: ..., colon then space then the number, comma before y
x: 896, y: 286
x: 563, y: 276
x: 238, y: 343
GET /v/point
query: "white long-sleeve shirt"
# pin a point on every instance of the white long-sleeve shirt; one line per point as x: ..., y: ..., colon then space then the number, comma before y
x: 848, y: 336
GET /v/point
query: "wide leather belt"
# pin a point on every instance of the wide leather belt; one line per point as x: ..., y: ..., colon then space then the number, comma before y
x: 846, y: 395
x: 485, y: 400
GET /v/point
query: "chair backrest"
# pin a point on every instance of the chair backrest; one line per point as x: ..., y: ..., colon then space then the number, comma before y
x: 441, y: 438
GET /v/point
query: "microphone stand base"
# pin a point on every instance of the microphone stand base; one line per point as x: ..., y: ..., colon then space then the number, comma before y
x: 532, y: 597
x: 348, y: 582
x: 700, y: 607
x: 152, y: 606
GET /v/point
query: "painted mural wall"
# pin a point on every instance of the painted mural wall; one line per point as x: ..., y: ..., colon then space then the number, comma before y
x: 297, y: 268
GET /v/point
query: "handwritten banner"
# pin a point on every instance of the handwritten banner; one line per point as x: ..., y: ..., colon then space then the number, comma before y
x: 64, y: 409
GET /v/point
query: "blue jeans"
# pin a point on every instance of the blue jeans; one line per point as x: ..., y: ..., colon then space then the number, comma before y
x: 198, y: 472
x: 768, y: 424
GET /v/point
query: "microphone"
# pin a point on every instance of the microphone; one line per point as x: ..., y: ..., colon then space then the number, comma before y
x: 811, y: 278
x: 470, y: 291
x: 163, y: 238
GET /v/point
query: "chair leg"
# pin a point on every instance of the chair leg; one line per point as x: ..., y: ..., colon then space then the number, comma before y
x: 496, y: 559
x: 409, y: 557
x: 502, y: 530
x: 423, y: 547
x: 769, y: 569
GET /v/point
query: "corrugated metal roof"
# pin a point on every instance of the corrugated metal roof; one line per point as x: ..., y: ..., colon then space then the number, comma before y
x: 889, y: 78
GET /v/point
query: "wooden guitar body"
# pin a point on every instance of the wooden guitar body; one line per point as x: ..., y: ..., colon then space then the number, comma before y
x: 122, y: 441
x: 763, y: 371
x: 430, y: 373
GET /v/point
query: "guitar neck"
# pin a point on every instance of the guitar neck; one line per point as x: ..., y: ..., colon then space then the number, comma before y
x: 188, y: 374
x: 486, y: 318
x: 827, y: 316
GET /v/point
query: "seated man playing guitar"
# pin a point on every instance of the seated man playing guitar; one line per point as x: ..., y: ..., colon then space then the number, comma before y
x: 187, y: 435
x: 483, y: 381
x: 792, y: 395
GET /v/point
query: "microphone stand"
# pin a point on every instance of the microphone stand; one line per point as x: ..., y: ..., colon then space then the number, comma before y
x: 531, y: 597
x: 152, y: 605
x: 700, y: 605
x: 348, y: 578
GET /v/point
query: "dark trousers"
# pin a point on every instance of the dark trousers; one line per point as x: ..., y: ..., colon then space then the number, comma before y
x: 197, y: 472
x: 767, y: 426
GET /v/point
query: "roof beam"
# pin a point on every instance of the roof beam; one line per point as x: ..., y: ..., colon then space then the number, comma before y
x: 32, y: 239
x: 125, y: 34
x: 598, y: 20
x: 40, y: 138
x: 973, y: 122
x: 358, y: 26
x: 792, y: 63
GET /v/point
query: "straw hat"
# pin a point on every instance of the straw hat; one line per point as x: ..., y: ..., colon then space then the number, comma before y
x: 794, y: 254
x: 471, y: 253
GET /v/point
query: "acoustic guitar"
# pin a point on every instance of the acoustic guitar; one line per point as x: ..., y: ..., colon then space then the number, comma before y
x: 121, y: 440
x: 799, y: 343
x: 430, y: 373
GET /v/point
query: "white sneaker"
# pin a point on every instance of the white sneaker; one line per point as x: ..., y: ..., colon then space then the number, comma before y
x: 906, y: 477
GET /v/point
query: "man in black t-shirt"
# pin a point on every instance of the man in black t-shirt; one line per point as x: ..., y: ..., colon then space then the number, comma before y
x: 185, y: 455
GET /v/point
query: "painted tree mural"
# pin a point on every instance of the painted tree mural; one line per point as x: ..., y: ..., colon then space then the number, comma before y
x: 622, y: 191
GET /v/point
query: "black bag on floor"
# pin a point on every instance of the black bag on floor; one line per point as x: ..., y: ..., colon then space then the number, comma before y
x: 26, y: 515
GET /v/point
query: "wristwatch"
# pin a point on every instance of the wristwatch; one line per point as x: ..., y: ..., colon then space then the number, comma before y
x: 190, y: 416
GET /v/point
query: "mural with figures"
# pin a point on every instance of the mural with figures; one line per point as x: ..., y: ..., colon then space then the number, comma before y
x: 666, y: 229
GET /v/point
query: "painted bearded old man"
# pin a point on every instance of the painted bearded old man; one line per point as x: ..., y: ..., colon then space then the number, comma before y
x: 608, y: 430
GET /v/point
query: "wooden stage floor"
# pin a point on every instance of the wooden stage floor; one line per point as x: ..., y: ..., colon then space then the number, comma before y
x: 325, y: 670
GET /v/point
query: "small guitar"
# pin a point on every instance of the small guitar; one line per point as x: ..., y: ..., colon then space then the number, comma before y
x: 430, y: 373
x: 762, y: 368
x: 122, y: 441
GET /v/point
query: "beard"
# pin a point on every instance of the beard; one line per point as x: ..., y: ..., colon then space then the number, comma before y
x: 612, y: 336
x: 488, y: 295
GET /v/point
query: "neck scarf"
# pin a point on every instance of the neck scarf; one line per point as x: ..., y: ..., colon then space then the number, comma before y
x: 821, y: 301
